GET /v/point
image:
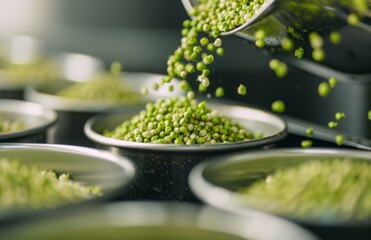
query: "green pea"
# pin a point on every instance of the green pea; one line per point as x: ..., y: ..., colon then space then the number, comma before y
x: 278, y: 106
x: 220, y: 51
x: 353, y: 19
x: 315, y: 40
x: 144, y: 90
x: 260, y: 34
x: 332, y: 81
x: 211, y: 47
x: 339, y: 116
x: 309, y: 132
x: 306, y: 143
x: 116, y: 67
x: 219, y: 92
x: 299, y: 53
x: 184, y: 85
x: 273, y: 64
x: 332, y: 124
x: 318, y: 55
x: 183, y: 74
x: 335, y: 38
x: 156, y: 86
x: 208, y: 59
x: 178, y: 141
x: 339, y: 139
x: 218, y: 42
x: 204, y: 41
x: 242, y: 89
x: 323, y: 89
x: 260, y: 43
x: 287, y: 44
x: 206, y: 72
x: 202, y: 88
x: 280, y: 68
x: 200, y: 66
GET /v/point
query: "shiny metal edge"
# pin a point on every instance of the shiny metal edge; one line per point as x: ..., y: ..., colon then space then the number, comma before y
x: 172, y: 215
x: 18, y: 107
x: 228, y: 200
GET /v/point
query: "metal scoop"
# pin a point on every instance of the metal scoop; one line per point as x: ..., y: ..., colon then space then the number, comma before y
x: 275, y: 16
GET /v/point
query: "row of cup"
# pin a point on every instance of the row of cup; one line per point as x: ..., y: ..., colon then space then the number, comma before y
x: 121, y: 176
x: 213, y: 181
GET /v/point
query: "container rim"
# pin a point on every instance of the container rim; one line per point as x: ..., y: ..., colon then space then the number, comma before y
x: 124, y: 164
x: 31, y: 109
x: 256, y: 114
x: 173, y: 215
x: 221, y: 197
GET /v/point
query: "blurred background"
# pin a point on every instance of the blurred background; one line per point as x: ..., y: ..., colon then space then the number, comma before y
x: 142, y: 34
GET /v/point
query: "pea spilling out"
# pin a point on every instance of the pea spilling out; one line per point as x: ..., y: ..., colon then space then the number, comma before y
x: 319, y: 189
x: 209, y: 18
x: 200, y: 41
x: 180, y: 120
x: 103, y: 87
x: 37, y: 72
x: 29, y: 187
x: 7, y: 125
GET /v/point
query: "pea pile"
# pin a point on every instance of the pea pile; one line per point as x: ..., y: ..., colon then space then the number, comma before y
x: 28, y: 187
x: 179, y: 120
x: 332, y: 188
x: 104, y: 87
x: 7, y: 125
